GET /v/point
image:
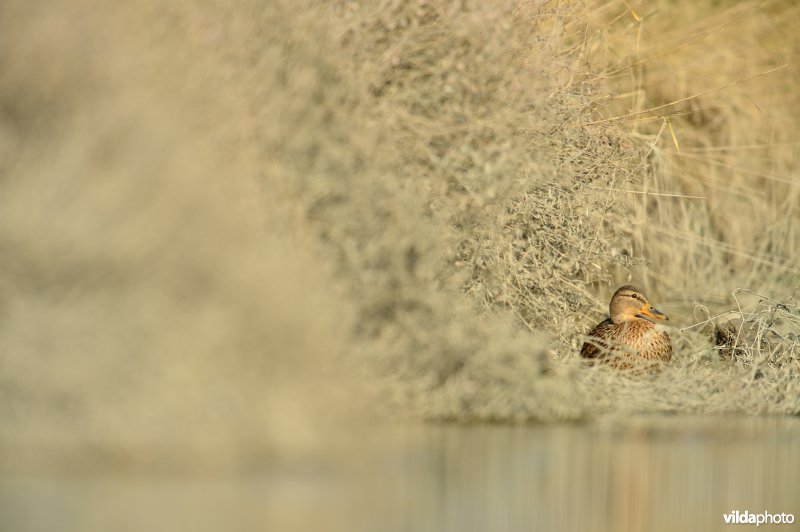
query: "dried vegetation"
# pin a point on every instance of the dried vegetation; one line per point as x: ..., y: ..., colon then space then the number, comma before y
x: 202, y: 204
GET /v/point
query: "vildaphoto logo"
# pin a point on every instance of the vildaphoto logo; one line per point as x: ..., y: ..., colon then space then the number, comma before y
x: 764, y: 518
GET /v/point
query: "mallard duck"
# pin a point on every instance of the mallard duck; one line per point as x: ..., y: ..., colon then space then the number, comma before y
x: 629, y: 335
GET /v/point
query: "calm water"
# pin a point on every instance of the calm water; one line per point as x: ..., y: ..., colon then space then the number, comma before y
x: 639, y: 474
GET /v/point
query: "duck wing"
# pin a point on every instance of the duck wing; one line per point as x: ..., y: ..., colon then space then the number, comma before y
x: 596, y: 346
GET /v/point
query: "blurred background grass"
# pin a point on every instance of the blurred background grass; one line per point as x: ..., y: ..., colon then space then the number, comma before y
x: 237, y: 230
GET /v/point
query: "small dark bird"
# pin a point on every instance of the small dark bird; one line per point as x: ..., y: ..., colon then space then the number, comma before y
x: 629, y: 337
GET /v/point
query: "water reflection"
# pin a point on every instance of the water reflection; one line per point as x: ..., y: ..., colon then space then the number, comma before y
x: 641, y: 474
x: 647, y: 474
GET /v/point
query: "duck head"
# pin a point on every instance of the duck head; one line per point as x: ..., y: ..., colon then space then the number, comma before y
x: 629, y: 303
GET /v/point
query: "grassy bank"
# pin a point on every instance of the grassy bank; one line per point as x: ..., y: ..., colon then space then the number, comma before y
x: 234, y: 222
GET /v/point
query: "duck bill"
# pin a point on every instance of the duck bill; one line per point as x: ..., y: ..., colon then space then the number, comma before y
x: 652, y: 312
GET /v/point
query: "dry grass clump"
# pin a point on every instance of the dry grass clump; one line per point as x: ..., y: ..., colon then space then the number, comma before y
x: 487, y: 104
x: 738, y: 145
x: 352, y: 173
x: 488, y: 154
x: 147, y: 319
x: 765, y: 333
x: 484, y: 111
x: 381, y: 163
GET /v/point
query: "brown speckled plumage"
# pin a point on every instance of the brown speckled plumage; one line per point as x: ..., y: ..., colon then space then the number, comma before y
x: 628, y: 337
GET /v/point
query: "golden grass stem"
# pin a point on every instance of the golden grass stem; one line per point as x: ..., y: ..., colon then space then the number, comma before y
x: 681, y: 100
x: 662, y: 194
